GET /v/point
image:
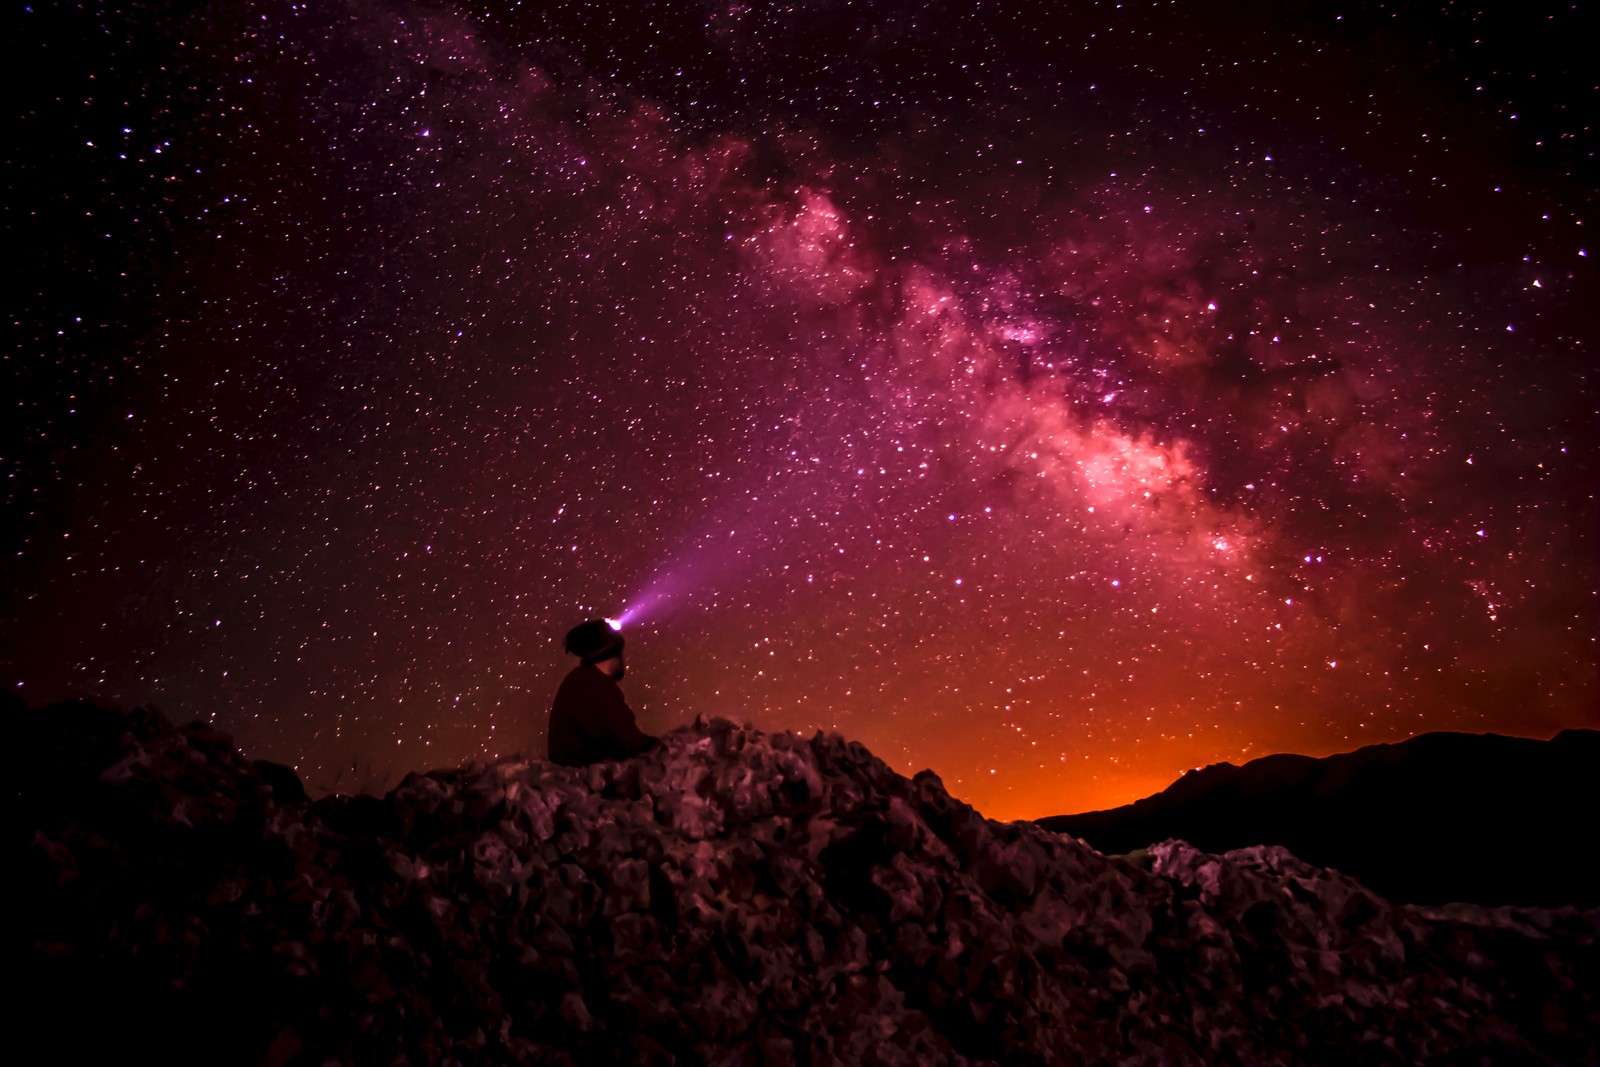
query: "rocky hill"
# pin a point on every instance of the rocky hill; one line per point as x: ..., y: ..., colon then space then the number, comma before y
x: 1409, y: 820
x: 735, y: 897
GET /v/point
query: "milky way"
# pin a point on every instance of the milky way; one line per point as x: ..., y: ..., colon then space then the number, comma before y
x: 1058, y: 402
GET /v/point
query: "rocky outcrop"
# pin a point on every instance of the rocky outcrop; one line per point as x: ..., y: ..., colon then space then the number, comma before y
x: 1409, y: 820
x: 736, y: 897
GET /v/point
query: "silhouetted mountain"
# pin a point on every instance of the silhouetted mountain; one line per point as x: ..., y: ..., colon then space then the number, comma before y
x: 734, y: 897
x: 1441, y: 817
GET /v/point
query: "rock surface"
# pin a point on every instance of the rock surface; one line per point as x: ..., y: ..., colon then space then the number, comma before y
x: 735, y: 897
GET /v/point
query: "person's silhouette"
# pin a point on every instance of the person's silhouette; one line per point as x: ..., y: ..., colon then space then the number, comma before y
x: 589, y: 719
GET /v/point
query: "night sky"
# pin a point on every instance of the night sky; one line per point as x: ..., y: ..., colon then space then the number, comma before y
x: 1056, y: 400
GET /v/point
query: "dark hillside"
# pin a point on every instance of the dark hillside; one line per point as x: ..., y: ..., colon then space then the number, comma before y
x: 1441, y: 817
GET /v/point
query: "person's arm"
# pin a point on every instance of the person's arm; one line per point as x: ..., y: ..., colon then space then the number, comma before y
x: 622, y: 731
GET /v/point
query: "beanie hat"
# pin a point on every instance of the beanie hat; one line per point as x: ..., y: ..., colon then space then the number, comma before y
x: 594, y: 641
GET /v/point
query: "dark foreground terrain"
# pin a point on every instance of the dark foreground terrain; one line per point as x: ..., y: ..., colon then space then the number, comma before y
x: 1441, y: 817
x: 736, y: 897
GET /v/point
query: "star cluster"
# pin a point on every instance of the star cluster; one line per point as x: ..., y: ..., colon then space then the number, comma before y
x: 1058, y: 401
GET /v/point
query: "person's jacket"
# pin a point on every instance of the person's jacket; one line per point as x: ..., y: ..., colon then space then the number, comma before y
x: 590, y: 721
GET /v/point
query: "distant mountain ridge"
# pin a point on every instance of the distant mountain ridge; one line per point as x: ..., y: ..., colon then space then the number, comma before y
x: 1438, y: 818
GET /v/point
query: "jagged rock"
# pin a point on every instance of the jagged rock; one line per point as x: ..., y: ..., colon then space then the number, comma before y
x: 734, y: 897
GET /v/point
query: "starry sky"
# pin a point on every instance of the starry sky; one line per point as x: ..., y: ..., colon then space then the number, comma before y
x: 1058, y: 399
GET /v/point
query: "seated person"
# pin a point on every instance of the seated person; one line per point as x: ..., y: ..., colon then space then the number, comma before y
x: 589, y: 720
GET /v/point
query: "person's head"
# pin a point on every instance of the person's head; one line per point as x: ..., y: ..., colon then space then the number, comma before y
x: 599, y: 643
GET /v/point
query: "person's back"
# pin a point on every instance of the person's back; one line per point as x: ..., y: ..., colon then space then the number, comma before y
x: 590, y: 720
